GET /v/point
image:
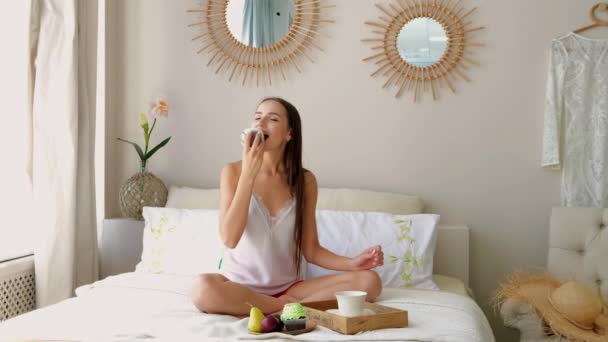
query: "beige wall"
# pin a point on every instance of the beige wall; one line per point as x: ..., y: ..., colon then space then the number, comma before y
x: 473, y: 157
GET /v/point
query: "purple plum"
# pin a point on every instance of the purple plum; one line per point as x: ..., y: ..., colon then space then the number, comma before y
x: 270, y: 324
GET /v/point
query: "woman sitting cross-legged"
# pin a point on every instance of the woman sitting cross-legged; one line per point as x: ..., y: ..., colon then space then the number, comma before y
x: 267, y: 223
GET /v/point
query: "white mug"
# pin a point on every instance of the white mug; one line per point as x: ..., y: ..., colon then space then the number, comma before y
x: 351, y: 303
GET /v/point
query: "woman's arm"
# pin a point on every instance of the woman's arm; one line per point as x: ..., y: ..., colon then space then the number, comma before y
x: 236, y: 187
x: 235, y: 193
x: 315, y: 253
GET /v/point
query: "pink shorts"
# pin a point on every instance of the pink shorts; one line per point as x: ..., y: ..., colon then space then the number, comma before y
x: 277, y: 295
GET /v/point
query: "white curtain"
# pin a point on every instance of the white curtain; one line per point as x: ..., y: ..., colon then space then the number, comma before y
x: 63, y: 41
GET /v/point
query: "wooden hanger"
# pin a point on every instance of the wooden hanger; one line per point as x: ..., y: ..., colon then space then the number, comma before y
x: 596, y: 21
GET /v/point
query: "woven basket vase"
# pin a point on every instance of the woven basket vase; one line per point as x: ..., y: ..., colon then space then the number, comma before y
x: 143, y: 189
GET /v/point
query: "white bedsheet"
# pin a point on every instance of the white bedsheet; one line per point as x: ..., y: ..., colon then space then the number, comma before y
x: 144, y: 307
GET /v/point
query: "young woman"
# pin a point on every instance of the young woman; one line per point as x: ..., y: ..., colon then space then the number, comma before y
x: 267, y: 222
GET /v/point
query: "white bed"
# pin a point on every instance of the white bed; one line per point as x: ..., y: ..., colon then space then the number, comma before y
x: 146, y: 307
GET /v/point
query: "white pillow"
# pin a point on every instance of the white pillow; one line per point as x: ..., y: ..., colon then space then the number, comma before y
x: 180, y: 241
x: 408, y: 243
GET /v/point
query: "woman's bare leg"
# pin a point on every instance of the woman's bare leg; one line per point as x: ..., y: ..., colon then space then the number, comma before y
x: 323, y: 288
x: 214, y: 293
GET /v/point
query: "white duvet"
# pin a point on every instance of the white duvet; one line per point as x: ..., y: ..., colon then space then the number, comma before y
x: 146, y: 307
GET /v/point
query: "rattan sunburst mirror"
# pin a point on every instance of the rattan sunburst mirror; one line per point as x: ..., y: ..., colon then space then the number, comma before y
x: 422, y: 45
x: 257, y: 40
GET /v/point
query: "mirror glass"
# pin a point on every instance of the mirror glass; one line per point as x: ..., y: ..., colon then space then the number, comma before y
x: 422, y: 42
x: 259, y: 23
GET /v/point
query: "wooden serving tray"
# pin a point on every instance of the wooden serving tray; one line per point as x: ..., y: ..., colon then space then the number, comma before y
x: 383, y: 317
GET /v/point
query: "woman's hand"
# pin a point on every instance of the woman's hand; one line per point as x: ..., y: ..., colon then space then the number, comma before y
x: 253, y: 153
x: 370, y: 258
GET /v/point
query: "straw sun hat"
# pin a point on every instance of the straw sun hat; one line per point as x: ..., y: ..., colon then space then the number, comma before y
x: 569, y: 309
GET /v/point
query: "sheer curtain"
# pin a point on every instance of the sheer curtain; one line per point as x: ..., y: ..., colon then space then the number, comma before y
x: 15, y: 231
x: 63, y: 49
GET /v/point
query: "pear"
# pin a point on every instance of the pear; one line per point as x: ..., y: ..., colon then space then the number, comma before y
x: 256, y: 316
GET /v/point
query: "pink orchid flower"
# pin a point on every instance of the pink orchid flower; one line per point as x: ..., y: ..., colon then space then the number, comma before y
x: 160, y: 108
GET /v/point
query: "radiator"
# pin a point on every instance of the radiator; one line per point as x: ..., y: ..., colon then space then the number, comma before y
x: 17, y: 287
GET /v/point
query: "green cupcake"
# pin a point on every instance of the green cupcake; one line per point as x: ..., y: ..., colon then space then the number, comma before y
x: 293, y: 316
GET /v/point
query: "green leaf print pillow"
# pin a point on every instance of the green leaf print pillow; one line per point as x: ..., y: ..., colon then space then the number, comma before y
x: 180, y: 241
x: 408, y: 242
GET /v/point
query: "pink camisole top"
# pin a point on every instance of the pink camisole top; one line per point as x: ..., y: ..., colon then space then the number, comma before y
x: 263, y: 258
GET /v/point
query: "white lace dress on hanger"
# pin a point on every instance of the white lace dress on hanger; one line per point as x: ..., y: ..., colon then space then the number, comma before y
x: 575, y: 135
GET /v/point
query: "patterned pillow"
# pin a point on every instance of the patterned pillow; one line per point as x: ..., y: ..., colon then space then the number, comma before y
x: 408, y: 242
x: 180, y: 241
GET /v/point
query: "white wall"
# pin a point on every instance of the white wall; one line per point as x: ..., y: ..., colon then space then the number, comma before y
x: 473, y: 157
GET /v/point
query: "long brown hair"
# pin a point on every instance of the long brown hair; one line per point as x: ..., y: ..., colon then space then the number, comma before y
x: 292, y: 161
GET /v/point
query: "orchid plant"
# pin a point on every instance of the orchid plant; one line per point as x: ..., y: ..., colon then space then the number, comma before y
x: 158, y: 109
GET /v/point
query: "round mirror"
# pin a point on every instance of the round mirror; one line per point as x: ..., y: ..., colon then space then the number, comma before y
x: 259, y: 23
x: 422, y: 42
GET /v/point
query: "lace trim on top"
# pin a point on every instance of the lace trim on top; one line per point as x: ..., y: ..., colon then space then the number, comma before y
x: 270, y: 219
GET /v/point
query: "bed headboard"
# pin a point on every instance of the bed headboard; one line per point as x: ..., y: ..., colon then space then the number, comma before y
x: 121, y: 244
